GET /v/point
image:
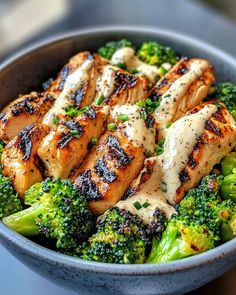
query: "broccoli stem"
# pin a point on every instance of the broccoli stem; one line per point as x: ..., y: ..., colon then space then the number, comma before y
x: 24, y: 222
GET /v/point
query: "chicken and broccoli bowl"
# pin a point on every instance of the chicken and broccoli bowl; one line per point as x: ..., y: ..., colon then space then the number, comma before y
x: 126, y: 157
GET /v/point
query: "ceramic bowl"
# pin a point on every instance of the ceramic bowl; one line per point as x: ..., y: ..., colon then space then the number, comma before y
x: 25, y: 72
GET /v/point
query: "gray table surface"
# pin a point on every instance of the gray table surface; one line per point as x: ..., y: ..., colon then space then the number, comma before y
x: 185, y: 16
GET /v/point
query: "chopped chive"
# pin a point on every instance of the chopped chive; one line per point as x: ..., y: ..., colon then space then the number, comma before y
x: 137, y: 205
x: 99, y: 100
x: 74, y: 132
x: 123, y: 117
x: 94, y: 140
x: 143, y: 114
x: 163, y: 71
x: 134, y: 71
x: 146, y: 204
x: 120, y: 65
x: 83, y: 110
x: 55, y: 120
x: 111, y: 126
x: 160, y: 147
x: 168, y: 124
x: 71, y: 111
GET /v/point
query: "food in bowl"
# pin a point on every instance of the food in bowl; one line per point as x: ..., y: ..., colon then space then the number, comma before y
x: 125, y: 157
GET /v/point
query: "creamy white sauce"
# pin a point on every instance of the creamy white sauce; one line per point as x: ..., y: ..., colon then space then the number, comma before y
x: 127, y: 56
x: 105, y: 84
x: 150, y: 192
x: 73, y: 83
x: 171, y: 99
x: 180, y: 140
x: 135, y: 128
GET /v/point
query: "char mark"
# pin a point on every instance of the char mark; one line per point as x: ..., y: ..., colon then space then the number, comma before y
x: 184, y: 176
x: 2, y: 115
x: 47, y: 84
x: 73, y: 126
x: 210, y: 126
x: 63, y: 76
x: 23, y: 107
x: 25, y: 143
x: 91, y: 113
x: 115, y: 151
x: 124, y: 81
x: 75, y: 131
x: 78, y: 96
x: 150, y: 121
x: 87, y: 187
x: 130, y: 191
x: 65, y: 139
x: 192, y: 162
x: 102, y: 171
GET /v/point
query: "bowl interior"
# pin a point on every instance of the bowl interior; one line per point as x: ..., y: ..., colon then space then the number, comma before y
x: 27, y: 70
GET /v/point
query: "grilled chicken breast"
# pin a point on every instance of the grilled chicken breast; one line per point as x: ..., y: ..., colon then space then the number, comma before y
x: 19, y: 158
x: 79, y: 87
x: 118, y: 158
x: 117, y: 87
x: 64, y: 148
x: 181, y: 89
x: 25, y: 110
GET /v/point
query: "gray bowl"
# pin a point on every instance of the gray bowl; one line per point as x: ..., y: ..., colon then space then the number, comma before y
x: 25, y: 72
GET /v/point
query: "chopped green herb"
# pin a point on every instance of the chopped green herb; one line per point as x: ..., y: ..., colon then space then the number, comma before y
x: 137, y: 205
x: 168, y: 124
x: 149, y: 105
x: 55, y: 120
x: 71, y: 111
x: 111, y: 126
x: 146, y: 204
x: 143, y: 114
x: 121, y: 66
x: 123, y: 117
x: 134, y: 71
x: 74, y: 132
x: 99, y: 100
x: 160, y: 147
x: 94, y: 140
x: 163, y: 71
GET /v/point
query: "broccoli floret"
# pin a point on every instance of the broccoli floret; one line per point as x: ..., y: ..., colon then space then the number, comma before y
x: 9, y: 199
x: 228, y: 187
x: 120, y: 238
x: 58, y: 212
x: 203, y: 221
x: 226, y: 92
x: 180, y: 239
x: 111, y: 47
x: 228, y: 164
x: 155, y: 54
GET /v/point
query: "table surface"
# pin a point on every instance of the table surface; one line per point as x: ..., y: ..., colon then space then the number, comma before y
x: 185, y: 16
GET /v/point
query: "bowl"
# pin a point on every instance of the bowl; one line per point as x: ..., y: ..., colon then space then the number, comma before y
x: 25, y: 72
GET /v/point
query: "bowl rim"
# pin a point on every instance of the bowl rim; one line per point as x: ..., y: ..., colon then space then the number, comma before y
x: 53, y: 257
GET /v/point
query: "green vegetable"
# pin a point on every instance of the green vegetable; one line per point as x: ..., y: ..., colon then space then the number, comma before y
x: 228, y: 187
x: 226, y: 92
x: 71, y: 111
x: 120, y: 238
x: 111, y: 47
x: 137, y: 205
x: 94, y: 140
x: 203, y: 221
x: 9, y: 199
x: 155, y: 54
x: 111, y: 126
x: 99, y: 100
x: 160, y: 147
x: 228, y: 164
x: 57, y: 211
x: 55, y: 120
x: 123, y: 117
x: 121, y: 66
x: 2, y: 145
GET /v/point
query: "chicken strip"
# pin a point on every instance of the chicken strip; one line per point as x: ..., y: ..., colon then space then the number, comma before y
x: 118, y: 158
x: 181, y: 89
x: 19, y: 158
x: 193, y: 145
x: 64, y: 148
x: 25, y: 110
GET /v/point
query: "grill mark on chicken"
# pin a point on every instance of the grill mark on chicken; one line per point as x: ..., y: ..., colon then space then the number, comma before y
x: 63, y: 76
x: 67, y: 137
x: 23, y: 106
x: 78, y: 96
x: 91, y: 113
x: 150, y: 121
x: 115, y: 151
x: 184, y: 176
x: 25, y: 143
x: 102, y: 171
x: 47, y: 84
x: 87, y: 187
x: 2, y: 115
x: 123, y: 81
x: 192, y: 162
x: 210, y: 126
x: 130, y: 191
